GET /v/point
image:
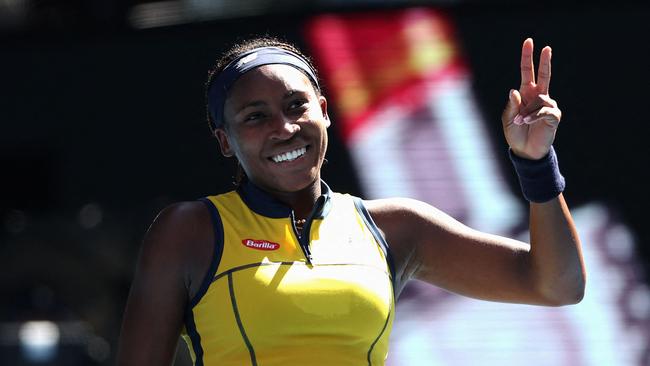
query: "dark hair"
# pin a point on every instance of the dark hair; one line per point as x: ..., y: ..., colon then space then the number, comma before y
x: 242, y: 47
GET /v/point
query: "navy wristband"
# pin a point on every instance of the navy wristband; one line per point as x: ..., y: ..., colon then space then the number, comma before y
x: 540, y: 180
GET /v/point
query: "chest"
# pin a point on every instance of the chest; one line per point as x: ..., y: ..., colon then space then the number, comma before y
x: 266, y: 295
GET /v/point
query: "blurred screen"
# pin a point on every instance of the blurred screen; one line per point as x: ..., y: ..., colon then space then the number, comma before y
x: 405, y: 110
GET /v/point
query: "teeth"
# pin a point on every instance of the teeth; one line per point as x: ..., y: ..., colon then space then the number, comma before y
x: 289, y: 156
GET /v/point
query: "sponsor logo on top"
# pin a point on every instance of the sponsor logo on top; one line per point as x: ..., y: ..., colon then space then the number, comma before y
x: 260, y: 244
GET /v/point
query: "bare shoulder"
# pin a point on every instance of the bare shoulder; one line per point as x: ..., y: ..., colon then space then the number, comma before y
x: 181, y: 216
x: 181, y: 237
x: 434, y: 247
x: 400, y: 215
x: 177, y: 223
x: 174, y: 258
x: 412, y: 221
x: 407, y: 225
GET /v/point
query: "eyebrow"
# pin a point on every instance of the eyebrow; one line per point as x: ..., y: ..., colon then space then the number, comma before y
x: 260, y: 103
x: 255, y: 103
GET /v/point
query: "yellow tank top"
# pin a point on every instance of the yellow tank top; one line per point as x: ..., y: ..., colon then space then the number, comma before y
x: 272, y: 297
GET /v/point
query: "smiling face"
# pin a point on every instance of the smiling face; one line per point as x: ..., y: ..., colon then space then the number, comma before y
x: 276, y: 126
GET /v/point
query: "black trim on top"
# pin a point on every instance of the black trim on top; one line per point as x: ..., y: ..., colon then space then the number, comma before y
x: 326, y: 206
x: 263, y: 264
x: 372, y: 346
x: 218, y: 251
x: 246, y: 266
x: 361, y: 208
x: 251, y: 351
x: 358, y: 203
x: 263, y: 203
x: 195, y: 337
x: 190, y: 325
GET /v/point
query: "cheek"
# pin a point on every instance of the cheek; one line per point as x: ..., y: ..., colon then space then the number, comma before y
x: 245, y: 146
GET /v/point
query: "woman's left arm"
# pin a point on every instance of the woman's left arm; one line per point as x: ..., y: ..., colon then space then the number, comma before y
x: 556, y: 263
x: 530, y: 121
x: 431, y: 246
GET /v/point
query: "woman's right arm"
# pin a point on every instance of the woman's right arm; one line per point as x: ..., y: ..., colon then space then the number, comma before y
x: 169, y: 268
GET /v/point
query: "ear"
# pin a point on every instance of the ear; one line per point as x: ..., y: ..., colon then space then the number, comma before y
x: 224, y: 142
x: 323, y: 107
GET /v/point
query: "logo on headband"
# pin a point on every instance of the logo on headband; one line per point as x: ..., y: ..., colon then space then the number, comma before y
x: 247, y: 59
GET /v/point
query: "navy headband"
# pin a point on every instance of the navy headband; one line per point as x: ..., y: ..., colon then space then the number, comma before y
x: 247, y: 61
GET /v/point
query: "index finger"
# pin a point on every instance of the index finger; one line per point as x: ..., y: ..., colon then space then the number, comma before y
x: 544, y: 72
x: 527, y: 71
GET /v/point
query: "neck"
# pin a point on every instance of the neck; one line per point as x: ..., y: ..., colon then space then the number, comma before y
x: 302, y: 201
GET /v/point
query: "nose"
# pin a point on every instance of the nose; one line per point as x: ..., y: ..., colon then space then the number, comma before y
x: 284, y: 128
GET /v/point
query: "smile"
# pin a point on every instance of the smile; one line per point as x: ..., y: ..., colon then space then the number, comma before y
x: 290, y: 155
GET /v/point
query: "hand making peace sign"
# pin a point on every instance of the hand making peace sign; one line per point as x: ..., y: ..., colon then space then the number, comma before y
x: 531, y: 117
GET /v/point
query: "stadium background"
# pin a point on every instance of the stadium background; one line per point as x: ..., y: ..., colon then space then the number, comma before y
x: 102, y: 124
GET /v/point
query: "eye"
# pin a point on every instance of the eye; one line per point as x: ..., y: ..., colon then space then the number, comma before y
x: 251, y: 117
x: 298, y: 104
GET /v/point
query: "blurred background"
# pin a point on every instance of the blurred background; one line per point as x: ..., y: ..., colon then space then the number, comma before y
x: 102, y: 125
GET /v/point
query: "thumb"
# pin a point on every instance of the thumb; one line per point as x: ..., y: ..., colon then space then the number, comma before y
x: 512, y: 107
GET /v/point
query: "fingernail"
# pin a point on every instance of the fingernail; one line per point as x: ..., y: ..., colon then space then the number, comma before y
x: 527, y: 119
x: 517, y: 120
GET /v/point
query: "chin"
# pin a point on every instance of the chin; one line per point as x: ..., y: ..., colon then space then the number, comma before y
x: 297, y: 184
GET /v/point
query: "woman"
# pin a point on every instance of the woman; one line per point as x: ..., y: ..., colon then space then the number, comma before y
x: 283, y: 271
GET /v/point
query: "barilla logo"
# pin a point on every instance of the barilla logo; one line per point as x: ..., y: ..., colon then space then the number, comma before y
x: 260, y: 244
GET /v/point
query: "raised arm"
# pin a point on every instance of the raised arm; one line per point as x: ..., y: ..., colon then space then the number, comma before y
x: 433, y: 247
x: 174, y: 254
x: 530, y: 121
